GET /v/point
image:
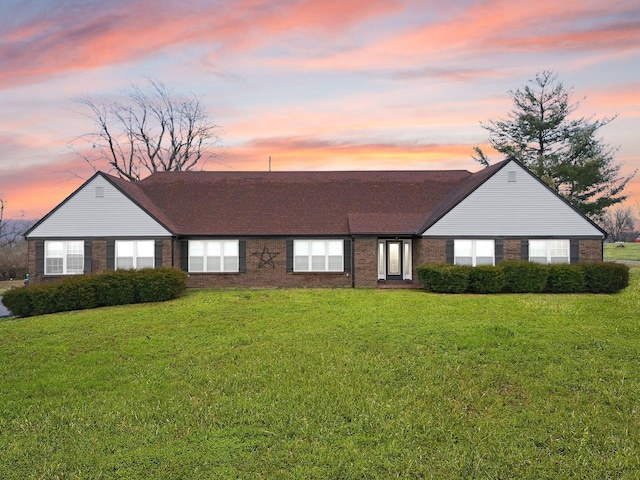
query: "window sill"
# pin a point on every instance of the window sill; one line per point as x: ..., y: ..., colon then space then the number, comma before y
x: 214, y: 273
x: 320, y: 273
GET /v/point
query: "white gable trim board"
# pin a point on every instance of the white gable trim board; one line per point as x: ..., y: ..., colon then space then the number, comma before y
x: 513, y: 203
x: 98, y: 209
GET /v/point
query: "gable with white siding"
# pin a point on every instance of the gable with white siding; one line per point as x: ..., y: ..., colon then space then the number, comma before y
x: 513, y: 203
x: 98, y: 209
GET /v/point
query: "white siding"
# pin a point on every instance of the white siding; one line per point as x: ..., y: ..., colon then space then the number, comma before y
x: 91, y: 212
x: 503, y: 207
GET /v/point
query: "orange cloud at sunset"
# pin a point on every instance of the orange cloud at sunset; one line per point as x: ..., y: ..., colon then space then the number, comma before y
x: 313, y: 154
x: 335, y: 84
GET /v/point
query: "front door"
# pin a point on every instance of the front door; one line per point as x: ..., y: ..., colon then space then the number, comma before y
x: 394, y: 260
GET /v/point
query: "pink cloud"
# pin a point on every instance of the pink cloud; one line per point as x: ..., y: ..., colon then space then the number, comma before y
x: 493, y: 27
x: 89, y: 38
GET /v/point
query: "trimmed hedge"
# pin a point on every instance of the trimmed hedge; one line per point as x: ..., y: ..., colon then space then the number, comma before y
x: 80, y: 292
x: 486, y: 279
x: 525, y: 277
x: 443, y: 278
x: 519, y: 276
x: 607, y: 277
x: 565, y: 278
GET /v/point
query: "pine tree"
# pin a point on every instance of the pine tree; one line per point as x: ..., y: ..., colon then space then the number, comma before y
x: 565, y: 152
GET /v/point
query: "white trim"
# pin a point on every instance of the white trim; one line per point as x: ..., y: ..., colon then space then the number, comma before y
x: 550, y: 247
x: 317, y: 255
x: 134, y: 250
x: 465, y: 248
x: 214, y: 256
x: 64, y: 249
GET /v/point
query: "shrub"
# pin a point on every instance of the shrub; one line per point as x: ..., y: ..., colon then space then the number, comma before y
x: 486, y: 279
x: 18, y: 301
x: 605, y: 277
x: 565, y: 278
x: 44, y: 299
x: 159, y: 285
x: 75, y: 293
x: 525, y: 277
x: 90, y: 291
x: 441, y: 278
x: 115, y: 288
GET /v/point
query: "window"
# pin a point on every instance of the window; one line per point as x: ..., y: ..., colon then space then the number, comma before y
x: 318, y: 255
x: 134, y: 254
x: 474, y: 252
x: 214, y: 256
x: 549, y: 251
x: 64, y: 257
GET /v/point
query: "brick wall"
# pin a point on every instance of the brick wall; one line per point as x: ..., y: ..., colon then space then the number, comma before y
x: 167, y: 253
x: 31, y: 266
x: 512, y: 249
x: 365, y: 258
x: 99, y: 256
x: 590, y: 250
x: 266, y: 263
x: 266, y: 267
x: 429, y: 250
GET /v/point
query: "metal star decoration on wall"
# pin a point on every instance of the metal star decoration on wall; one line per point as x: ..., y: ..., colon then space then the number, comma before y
x: 266, y: 257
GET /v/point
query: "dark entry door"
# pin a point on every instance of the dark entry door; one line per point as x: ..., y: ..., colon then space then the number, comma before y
x: 394, y: 260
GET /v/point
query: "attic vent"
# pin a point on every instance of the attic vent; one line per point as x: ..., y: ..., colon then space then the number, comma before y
x: 511, y: 176
x: 99, y: 192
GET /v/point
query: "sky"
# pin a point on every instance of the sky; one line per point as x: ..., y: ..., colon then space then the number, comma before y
x: 313, y: 84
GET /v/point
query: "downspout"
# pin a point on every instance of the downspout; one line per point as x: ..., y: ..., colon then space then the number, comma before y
x: 353, y: 262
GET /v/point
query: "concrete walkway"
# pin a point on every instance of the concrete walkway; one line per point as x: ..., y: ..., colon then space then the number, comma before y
x: 3, y: 310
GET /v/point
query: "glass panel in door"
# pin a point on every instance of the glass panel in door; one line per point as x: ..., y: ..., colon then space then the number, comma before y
x: 394, y: 258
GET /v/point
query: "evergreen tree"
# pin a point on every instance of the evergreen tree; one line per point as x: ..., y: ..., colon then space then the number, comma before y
x: 565, y: 152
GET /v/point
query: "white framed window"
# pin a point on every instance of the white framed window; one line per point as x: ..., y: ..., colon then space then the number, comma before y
x: 549, y: 251
x: 222, y: 256
x: 134, y: 254
x: 318, y: 255
x: 474, y: 252
x: 64, y: 257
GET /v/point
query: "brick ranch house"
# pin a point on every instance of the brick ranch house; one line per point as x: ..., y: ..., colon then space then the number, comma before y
x: 310, y: 229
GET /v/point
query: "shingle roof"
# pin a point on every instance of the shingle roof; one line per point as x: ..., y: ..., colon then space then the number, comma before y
x: 301, y: 203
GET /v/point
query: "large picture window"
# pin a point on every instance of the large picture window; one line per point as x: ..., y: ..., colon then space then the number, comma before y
x: 549, y: 251
x: 214, y: 256
x: 474, y: 252
x: 134, y: 254
x: 318, y: 255
x: 64, y: 257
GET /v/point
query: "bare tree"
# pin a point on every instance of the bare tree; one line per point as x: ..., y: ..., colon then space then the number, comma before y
x: 152, y: 130
x: 10, y: 232
x: 13, y: 246
x: 619, y: 223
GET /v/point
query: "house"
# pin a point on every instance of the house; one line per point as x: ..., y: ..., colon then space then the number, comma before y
x: 304, y: 229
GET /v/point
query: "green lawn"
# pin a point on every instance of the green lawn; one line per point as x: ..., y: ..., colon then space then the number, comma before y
x: 630, y: 251
x: 326, y: 384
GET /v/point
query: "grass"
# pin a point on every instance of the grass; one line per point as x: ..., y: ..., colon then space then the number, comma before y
x: 630, y: 251
x: 7, y: 284
x: 284, y: 384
